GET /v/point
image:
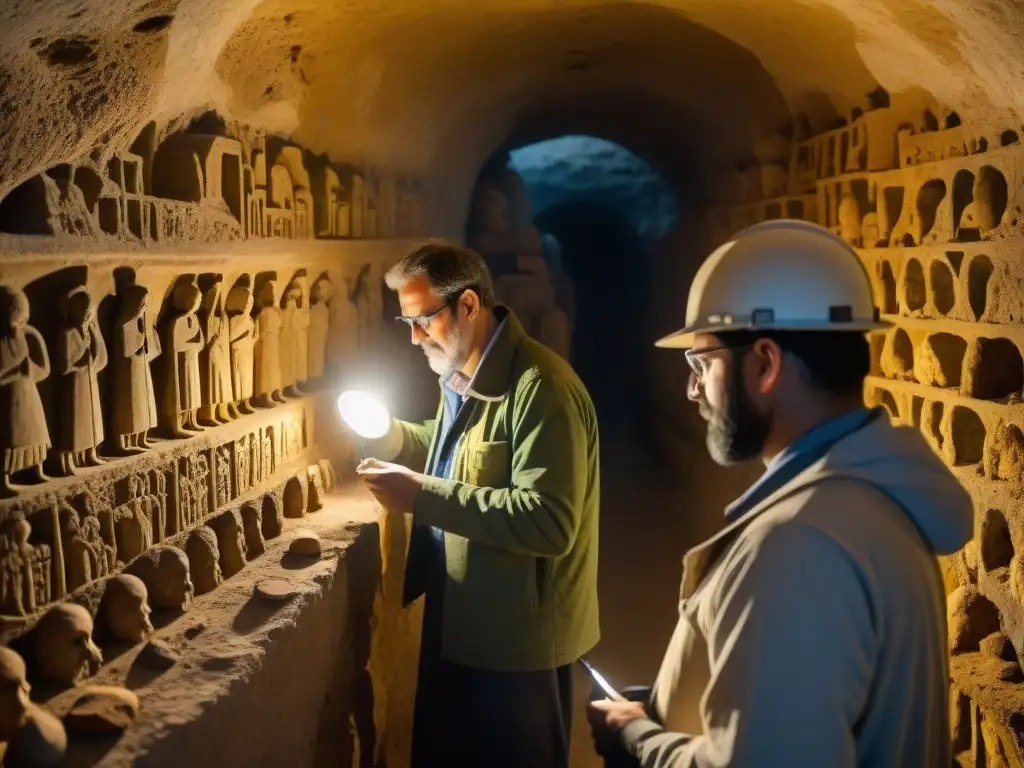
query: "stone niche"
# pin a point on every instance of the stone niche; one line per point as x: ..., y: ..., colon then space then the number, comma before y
x: 935, y: 215
x: 175, y: 320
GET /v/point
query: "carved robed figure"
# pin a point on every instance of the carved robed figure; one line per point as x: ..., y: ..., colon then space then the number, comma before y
x: 319, y: 325
x: 79, y: 356
x: 295, y: 321
x: 24, y: 437
x: 136, y: 345
x: 215, y: 360
x: 243, y: 334
x: 267, y: 363
x: 183, y: 341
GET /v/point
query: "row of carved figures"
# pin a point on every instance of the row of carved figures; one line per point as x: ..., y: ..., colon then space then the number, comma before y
x: 216, y: 359
x: 61, y: 651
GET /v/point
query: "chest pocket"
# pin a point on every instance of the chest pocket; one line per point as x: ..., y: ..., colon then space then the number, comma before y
x: 487, y: 464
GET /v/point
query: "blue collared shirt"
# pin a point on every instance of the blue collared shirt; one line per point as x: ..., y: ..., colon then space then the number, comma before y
x: 455, y: 394
x: 796, y: 457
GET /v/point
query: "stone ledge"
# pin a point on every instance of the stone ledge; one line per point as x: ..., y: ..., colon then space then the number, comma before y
x: 260, y: 683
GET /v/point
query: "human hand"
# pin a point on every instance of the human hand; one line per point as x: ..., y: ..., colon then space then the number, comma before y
x: 607, y: 718
x: 393, y: 485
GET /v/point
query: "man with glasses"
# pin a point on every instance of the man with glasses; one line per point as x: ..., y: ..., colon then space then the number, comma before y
x: 503, y: 489
x: 812, y: 627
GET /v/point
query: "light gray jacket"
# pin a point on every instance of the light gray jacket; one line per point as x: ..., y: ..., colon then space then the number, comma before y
x: 812, y: 630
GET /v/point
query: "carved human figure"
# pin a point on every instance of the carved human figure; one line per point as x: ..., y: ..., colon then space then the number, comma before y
x: 86, y: 555
x: 80, y: 354
x: 183, y: 341
x: 14, y: 693
x: 850, y: 220
x: 125, y: 609
x: 319, y: 324
x: 204, y: 560
x: 65, y: 652
x: 24, y: 437
x: 136, y: 345
x: 295, y: 322
x: 15, y: 586
x: 133, y: 523
x: 243, y: 334
x: 343, y: 332
x: 215, y: 360
x: 267, y: 355
x: 165, y: 572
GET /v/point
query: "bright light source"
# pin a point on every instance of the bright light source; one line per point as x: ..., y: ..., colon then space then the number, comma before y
x: 364, y: 414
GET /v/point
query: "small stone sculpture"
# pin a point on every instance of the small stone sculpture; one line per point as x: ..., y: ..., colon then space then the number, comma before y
x: 295, y: 322
x: 136, y: 345
x: 183, y: 341
x: 125, y: 608
x: 315, y: 484
x: 40, y: 743
x: 267, y: 356
x: 243, y: 334
x: 86, y: 555
x: 215, y: 360
x: 319, y: 325
x: 79, y: 356
x: 24, y: 437
x: 230, y: 541
x: 364, y: 309
x: 204, y: 560
x: 14, y: 691
x: 165, y: 572
x: 65, y: 652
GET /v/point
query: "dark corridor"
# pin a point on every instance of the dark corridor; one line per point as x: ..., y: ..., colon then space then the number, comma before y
x: 609, y: 264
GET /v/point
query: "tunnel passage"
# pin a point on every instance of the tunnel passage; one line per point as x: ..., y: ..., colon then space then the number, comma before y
x: 609, y: 264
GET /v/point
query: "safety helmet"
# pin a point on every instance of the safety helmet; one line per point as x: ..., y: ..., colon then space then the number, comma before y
x: 783, y: 275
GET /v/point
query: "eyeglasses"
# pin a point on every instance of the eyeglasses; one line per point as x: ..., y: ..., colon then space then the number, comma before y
x: 695, y: 357
x: 424, y: 320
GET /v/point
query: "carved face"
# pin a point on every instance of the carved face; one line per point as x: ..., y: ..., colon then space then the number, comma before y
x: 65, y: 651
x: 125, y: 608
x: 80, y: 310
x: 187, y: 298
x: 321, y: 292
x: 204, y: 559
x: 14, y: 691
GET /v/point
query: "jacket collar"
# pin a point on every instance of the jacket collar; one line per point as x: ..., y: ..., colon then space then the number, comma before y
x: 494, y: 376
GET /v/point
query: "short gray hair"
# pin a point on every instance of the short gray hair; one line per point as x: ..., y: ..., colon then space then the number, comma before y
x: 449, y: 270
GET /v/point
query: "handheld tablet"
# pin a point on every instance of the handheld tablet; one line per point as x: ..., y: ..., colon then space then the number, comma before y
x: 603, y: 684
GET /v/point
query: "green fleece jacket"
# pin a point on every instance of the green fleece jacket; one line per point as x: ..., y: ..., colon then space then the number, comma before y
x: 520, y: 515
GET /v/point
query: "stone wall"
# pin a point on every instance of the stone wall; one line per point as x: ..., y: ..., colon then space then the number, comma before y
x: 933, y: 207
x: 175, y: 319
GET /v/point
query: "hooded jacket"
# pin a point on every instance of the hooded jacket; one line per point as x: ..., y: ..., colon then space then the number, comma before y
x: 812, y: 628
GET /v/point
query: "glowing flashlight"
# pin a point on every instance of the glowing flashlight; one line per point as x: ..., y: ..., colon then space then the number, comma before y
x: 364, y: 414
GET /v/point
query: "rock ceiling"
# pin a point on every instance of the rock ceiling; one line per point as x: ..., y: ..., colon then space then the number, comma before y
x: 437, y: 86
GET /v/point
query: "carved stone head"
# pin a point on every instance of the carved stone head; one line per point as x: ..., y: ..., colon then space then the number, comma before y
x: 230, y: 541
x: 14, y: 690
x: 14, y: 309
x: 267, y: 294
x: 134, y: 303
x: 239, y: 301
x: 78, y: 307
x: 65, y: 652
x: 293, y: 295
x: 165, y: 572
x: 186, y: 298
x: 125, y: 608
x: 321, y: 291
x: 204, y: 559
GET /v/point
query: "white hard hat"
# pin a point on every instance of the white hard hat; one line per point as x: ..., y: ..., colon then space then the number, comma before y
x: 783, y: 275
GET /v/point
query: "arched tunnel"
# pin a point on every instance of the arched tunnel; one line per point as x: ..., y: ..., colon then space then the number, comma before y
x: 290, y: 150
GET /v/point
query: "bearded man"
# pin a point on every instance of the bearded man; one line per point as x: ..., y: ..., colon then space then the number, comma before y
x: 812, y: 627
x: 503, y: 489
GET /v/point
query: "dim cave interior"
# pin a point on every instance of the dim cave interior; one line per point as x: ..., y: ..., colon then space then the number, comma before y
x: 199, y: 199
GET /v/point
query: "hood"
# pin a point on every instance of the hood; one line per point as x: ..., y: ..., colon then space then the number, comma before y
x: 898, y: 460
